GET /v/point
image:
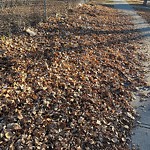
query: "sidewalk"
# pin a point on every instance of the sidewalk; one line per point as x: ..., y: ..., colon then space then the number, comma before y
x: 141, y: 133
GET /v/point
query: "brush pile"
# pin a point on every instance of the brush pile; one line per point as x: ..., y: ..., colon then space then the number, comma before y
x: 69, y: 86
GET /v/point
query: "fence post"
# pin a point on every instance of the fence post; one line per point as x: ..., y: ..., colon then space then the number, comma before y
x: 45, y: 12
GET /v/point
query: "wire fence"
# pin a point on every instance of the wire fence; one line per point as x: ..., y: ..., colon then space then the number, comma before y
x: 17, y: 14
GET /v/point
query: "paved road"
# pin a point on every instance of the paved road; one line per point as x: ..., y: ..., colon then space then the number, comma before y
x: 141, y: 134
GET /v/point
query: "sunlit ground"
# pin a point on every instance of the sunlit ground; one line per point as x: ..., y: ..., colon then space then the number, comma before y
x: 137, y: 5
x: 141, y: 10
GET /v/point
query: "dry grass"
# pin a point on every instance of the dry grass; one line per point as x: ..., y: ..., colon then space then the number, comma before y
x: 137, y: 2
x: 14, y: 19
x: 104, y: 1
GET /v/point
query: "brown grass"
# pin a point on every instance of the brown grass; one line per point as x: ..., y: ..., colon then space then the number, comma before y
x: 14, y: 19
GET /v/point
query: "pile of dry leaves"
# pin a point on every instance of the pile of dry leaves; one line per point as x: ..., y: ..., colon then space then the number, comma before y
x: 69, y: 86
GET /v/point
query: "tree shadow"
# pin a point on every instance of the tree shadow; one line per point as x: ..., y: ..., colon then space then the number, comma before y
x: 127, y: 6
x: 79, y: 31
x: 6, y: 70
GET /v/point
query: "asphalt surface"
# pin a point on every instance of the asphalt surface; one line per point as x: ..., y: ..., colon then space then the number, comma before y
x: 141, y: 132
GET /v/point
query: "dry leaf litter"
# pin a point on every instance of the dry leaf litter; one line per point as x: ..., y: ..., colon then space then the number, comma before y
x: 69, y: 86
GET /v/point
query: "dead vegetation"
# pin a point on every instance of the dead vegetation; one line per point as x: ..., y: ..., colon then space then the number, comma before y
x: 69, y: 86
x: 14, y: 17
